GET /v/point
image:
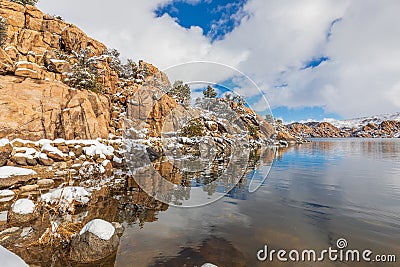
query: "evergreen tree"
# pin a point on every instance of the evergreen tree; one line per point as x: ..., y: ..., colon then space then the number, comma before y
x: 210, y: 92
x: 193, y: 128
x: 3, y: 32
x: 129, y: 70
x: 114, y: 62
x: 239, y: 99
x: 181, y: 92
x: 84, y: 73
x: 25, y: 2
x: 269, y: 118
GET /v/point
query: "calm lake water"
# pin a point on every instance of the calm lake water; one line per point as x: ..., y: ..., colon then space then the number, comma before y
x: 315, y: 194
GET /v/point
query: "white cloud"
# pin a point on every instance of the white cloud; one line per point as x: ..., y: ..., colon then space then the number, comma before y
x: 271, y: 45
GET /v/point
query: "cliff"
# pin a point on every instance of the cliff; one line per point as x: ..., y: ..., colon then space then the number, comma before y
x: 40, y: 57
x: 34, y: 103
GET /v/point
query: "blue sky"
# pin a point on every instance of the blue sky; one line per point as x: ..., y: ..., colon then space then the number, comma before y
x: 310, y: 59
x: 218, y: 18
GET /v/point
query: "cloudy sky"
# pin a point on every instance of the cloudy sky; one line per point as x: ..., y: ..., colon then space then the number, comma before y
x: 311, y: 59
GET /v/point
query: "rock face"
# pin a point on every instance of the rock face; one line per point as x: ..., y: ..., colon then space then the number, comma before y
x: 34, y: 103
x: 34, y: 110
x: 31, y: 33
x: 5, y: 153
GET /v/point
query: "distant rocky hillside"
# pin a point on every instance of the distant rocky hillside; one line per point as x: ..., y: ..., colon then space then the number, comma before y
x: 380, y: 126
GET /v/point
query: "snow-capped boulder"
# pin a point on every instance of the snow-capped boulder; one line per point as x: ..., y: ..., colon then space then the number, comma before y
x: 22, y: 211
x: 98, y: 239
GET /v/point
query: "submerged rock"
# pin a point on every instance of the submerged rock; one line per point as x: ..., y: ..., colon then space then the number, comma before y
x: 97, y: 240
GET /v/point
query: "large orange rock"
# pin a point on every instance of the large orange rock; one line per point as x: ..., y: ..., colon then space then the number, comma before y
x: 36, y: 109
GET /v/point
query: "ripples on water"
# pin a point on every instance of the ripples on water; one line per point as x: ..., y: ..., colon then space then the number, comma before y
x: 315, y: 194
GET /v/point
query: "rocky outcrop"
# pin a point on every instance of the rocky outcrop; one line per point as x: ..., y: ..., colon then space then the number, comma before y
x: 31, y: 33
x: 34, y: 110
x: 34, y: 104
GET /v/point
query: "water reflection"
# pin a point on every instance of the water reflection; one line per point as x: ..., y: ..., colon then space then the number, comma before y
x: 315, y: 194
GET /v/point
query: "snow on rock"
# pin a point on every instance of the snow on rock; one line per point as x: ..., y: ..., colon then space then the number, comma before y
x: 3, y: 216
x: 4, y: 142
x: 209, y: 265
x: 6, y: 193
x: 100, y: 228
x: 51, y: 149
x: 7, y: 171
x: 10, y: 259
x: 67, y: 195
x: 117, y: 160
x: 23, y: 206
x: 104, y: 163
x: 99, y: 149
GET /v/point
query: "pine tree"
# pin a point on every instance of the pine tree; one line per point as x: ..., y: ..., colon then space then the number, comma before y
x: 210, y: 92
x: 25, y: 2
x: 114, y: 63
x: 181, y: 92
x: 239, y: 99
x: 3, y: 32
x: 269, y: 118
x: 193, y: 128
x: 129, y: 70
x: 84, y: 73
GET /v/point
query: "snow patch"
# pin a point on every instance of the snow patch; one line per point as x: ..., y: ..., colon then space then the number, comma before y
x: 52, y: 149
x: 4, y: 141
x: 6, y: 193
x: 7, y: 171
x: 100, y: 228
x: 23, y: 206
x: 67, y: 195
x: 10, y: 259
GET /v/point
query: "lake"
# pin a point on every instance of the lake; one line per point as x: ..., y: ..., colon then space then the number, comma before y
x: 315, y: 194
